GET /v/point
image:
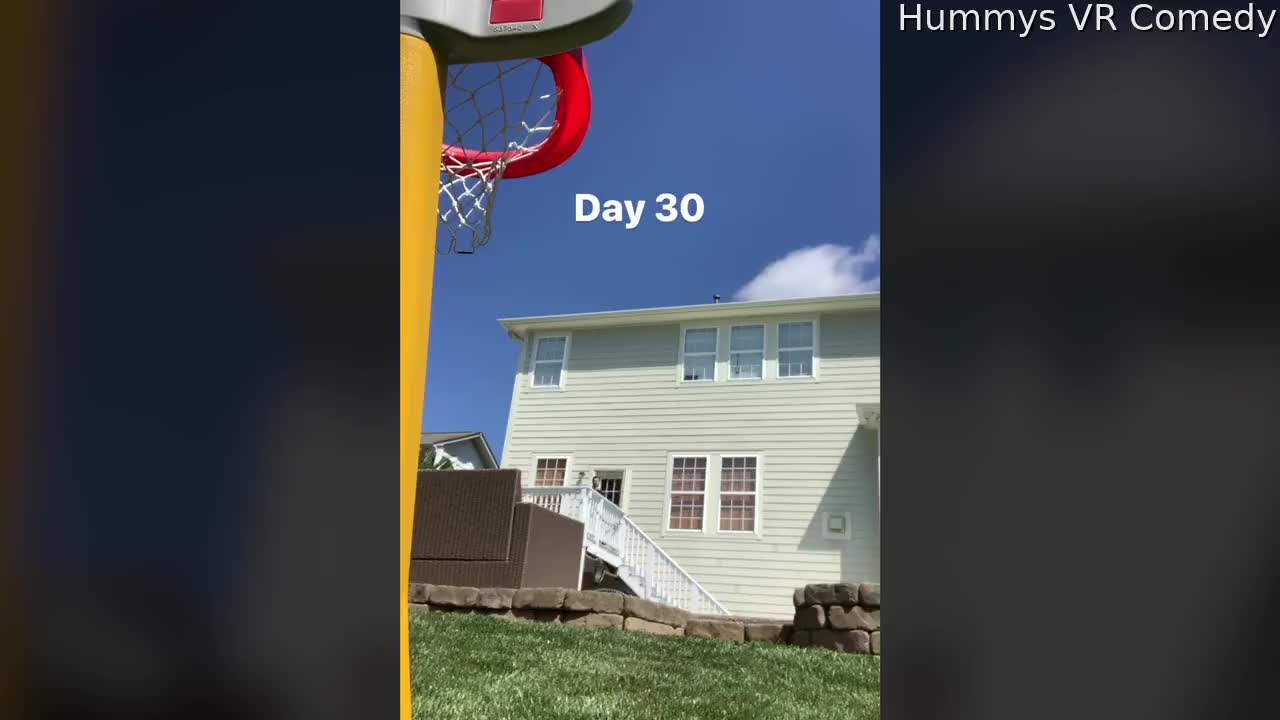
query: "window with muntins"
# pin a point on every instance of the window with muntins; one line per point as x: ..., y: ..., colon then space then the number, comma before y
x: 688, y: 492
x: 746, y: 352
x: 548, y: 361
x: 738, y: 494
x: 550, y: 472
x: 700, y: 354
x: 795, y: 349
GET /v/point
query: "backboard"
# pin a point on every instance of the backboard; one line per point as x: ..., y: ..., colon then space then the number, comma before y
x: 495, y: 30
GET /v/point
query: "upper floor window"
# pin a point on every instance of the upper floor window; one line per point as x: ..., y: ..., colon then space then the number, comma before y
x: 795, y: 349
x: 699, y: 354
x: 746, y: 352
x: 548, y: 361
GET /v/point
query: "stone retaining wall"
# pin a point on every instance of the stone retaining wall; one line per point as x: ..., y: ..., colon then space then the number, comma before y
x: 607, y: 610
x: 838, y: 616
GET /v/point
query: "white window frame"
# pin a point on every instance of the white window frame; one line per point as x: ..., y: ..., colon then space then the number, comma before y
x: 764, y: 345
x: 706, y: 494
x: 564, y: 361
x: 757, y: 523
x: 778, y: 350
x: 715, y: 359
x: 533, y: 469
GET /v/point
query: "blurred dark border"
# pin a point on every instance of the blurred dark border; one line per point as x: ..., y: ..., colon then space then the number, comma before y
x: 1081, y: 373
x: 209, y: 321
x: 21, y: 88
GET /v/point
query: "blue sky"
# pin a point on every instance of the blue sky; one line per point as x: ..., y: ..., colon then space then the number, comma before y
x: 775, y: 122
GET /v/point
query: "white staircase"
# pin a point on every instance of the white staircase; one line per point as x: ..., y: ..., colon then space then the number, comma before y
x: 614, y: 538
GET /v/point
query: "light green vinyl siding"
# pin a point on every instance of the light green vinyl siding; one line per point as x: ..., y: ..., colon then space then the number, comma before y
x: 622, y: 406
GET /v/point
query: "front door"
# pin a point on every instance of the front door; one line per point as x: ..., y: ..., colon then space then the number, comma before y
x: 609, y: 484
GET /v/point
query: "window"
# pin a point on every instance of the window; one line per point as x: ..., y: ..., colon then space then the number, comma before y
x: 746, y: 352
x: 688, y: 492
x: 700, y: 354
x: 795, y: 349
x: 550, y: 472
x: 548, y: 361
x: 737, y: 494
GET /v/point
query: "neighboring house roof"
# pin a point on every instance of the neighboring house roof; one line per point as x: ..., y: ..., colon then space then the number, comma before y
x: 448, y: 438
x: 520, y: 327
x: 429, y: 438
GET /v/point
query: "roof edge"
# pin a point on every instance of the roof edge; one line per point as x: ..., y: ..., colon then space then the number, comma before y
x: 859, y: 301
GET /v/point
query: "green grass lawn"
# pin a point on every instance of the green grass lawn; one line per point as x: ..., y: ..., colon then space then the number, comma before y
x: 472, y: 667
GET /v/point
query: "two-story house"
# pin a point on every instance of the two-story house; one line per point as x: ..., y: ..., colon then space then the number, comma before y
x: 740, y: 438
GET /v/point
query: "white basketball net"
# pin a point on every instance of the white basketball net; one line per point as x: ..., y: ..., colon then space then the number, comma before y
x: 507, y: 107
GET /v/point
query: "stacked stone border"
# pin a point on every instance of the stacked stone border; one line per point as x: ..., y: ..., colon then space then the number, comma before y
x: 611, y: 611
x: 844, y: 617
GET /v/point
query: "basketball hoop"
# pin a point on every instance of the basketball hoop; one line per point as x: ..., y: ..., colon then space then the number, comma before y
x: 503, y: 120
x: 495, y: 126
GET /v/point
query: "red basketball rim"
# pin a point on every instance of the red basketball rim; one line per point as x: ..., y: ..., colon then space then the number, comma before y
x: 573, y: 115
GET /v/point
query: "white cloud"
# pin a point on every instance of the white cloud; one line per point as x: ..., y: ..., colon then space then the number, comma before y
x: 819, y: 270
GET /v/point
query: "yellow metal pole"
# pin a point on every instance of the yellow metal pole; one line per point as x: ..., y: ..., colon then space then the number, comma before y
x: 421, y: 134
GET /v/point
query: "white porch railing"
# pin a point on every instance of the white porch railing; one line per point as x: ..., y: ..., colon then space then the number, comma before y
x: 614, y: 538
